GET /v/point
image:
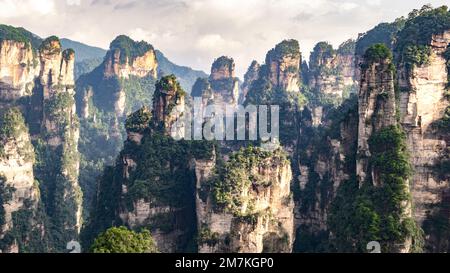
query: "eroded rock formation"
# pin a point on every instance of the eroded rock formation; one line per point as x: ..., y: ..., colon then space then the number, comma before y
x: 37, y: 78
x: 248, y: 207
x: 422, y: 104
x: 224, y: 84
x: 250, y: 76
x: 19, y: 192
x: 332, y: 72
x: 283, y: 66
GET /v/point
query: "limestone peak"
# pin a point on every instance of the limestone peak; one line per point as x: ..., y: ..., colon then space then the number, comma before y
x: 222, y: 68
x: 51, y: 45
x: 129, y: 49
x: 128, y: 57
x: 168, y: 95
x: 283, y: 64
x: 285, y: 48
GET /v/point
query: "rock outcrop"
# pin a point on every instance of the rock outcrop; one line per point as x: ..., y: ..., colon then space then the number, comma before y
x: 376, y: 105
x: 283, y: 66
x: 151, y: 183
x: 168, y: 106
x: 332, y: 72
x: 126, y: 63
x: 325, y: 162
x: 224, y: 84
x: 62, y: 128
x: 18, y: 68
x: 38, y: 78
x: 20, y: 227
x: 250, y: 76
x: 121, y: 85
x: 248, y: 207
x: 140, y: 66
x: 423, y: 103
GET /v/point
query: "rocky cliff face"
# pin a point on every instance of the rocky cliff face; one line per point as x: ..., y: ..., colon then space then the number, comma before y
x: 283, y: 64
x: 37, y: 77
x: 332, y: 72
x: 247, y: 208
x: 114, y: 84
x: 56, y: 67
x: 168, y: 105
x: 141, y: 66
x: 202, y: 89
x: 120, y: 63
x: 122, y: 84
x: 18, y: 69
x: 250, y: 76
x: 19, y: 192
x: 148, y: 211
x: 278, y: 83
x: 224, y: 84
x: 325, y: 157
x: 423, y: 103
x: 151, y: 184
x: 376, y: 108
x: 61, y: 124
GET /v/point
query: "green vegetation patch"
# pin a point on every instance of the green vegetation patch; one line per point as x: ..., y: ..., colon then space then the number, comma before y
x: 223, y: 61
x: 377, y: 53
x: 48, y: 45
x: 12, y: 126
x: 384, y: 33
x: 320, y: 53
x: 19, y: 35
x: 447, y: 58
x: 414, y: 39
x: 122, y: 240
x: 200, y: 85
x: 68, y: 54
x: 139, y: 121
x: 238, y: 174
x: 285, y: 48
x: 369, y: 212
x: 129, y: 49
x: 206, y: 236
x: 347, y: 48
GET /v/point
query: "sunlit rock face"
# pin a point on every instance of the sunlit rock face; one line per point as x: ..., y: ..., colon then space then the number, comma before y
x: 376, y: 107
x: 37, y: 76
x: 223, y: 82
x: 423, y: 103
x: 264, y: 222
x: 156, y: 172
x: 126, y: 60
x: 57, y: 84
x: 18, y: 190
x: 19, y: 66
x: 283, y: 64
x: 332, y: 72
x: 140, y: 66
x: 168, y: 106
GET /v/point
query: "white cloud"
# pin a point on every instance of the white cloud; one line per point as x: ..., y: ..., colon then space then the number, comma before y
x: 194, y: 32
x: 73, y: 2
x: 373, y: 2
x: 19, y: 8
x: 215, y: 42
x: 140, y: 34
x: 346, y: 6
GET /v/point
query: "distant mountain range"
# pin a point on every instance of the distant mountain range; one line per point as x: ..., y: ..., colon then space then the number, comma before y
x: 89, y: 57
x: 82, y: 51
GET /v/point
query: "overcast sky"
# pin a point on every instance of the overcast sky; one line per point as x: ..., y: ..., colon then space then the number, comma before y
x: 194, y: 32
